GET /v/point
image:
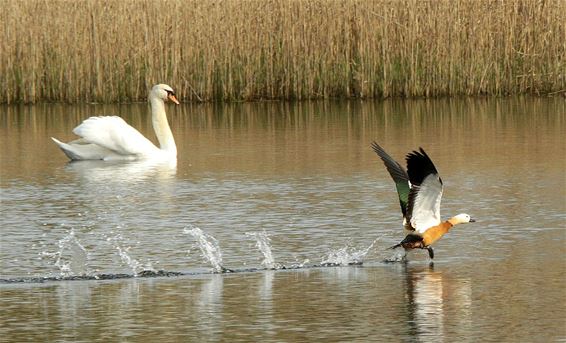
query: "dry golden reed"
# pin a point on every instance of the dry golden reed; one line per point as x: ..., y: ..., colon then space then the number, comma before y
x: 52, y: 50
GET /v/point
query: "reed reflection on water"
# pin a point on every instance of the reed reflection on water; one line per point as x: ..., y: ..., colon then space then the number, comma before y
x: 304, y: 175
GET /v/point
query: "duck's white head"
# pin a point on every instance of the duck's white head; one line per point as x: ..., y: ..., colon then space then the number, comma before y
x: 461, y: 219
x: 164, y: 92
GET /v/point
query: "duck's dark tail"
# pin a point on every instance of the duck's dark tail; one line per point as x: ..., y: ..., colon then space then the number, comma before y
x: 394, y: 247
x: 411, y: 241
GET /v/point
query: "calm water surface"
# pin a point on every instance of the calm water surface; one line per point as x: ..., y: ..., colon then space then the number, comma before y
x: 271, y: 185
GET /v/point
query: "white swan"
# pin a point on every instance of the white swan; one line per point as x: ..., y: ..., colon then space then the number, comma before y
x: 111, y: 138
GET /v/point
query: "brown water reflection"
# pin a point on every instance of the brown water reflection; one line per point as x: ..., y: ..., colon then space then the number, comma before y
x: 393, y: 303
x: 304, y: 173
x: 303, y: 136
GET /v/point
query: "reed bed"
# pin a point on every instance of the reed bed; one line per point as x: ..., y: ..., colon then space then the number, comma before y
x: 109, y: 51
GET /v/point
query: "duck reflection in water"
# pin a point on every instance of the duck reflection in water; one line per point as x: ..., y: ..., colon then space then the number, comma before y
x: 435, y: 302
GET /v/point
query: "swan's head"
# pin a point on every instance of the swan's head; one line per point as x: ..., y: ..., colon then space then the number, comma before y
x: 461, y: 219
x: 164, y: 92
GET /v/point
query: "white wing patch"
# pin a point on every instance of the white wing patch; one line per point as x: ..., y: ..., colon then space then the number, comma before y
x: 115, y: 134
x: 426, y: 207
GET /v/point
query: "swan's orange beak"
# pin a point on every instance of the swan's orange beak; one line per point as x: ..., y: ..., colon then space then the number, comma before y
x: 173, y: 98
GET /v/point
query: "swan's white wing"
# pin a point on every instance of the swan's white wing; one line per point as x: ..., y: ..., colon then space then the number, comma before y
x: 115, y: 134
x: 426, y: 192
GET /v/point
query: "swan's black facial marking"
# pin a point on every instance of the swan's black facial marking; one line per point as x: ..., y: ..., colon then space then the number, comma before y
x: 171, y: 96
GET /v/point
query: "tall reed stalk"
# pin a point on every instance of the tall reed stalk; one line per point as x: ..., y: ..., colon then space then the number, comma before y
x: 107, y: 51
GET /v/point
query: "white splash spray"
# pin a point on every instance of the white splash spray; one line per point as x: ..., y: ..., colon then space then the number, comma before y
x: 263, y: 243
x: 209, y: 248
x: 347, y: 255
x: 71, y: 257
x: 136, y: 266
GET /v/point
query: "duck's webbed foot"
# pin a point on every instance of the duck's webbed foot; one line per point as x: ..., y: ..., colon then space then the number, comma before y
x: 430, y: 252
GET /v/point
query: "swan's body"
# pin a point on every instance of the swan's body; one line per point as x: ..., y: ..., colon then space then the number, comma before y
x: 420, y: 192
x: 111, y: 138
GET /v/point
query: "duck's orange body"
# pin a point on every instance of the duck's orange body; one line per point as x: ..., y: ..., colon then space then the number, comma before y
x: 435, y: 233
x: 426, y: 239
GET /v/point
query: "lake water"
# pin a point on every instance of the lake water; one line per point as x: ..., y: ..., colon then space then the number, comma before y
x: 285, y: 185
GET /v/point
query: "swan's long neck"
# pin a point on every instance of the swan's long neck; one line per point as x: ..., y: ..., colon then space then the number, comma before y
x: 161, y: 125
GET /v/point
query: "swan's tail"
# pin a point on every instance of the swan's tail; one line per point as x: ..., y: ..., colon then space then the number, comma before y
x: 81, y: 150
x: 67, y: 149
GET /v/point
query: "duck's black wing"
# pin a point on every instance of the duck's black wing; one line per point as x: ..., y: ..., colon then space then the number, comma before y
x: 398, y: 174
x: 423, y: 210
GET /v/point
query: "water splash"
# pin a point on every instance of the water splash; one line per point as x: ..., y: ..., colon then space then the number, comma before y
x: 298, y: 264
x: 347, y: 255
x: 263, y: 243
x: 125, y: 256
x: 209, y: 248
x: 400, y: 255
x: 71, y: 257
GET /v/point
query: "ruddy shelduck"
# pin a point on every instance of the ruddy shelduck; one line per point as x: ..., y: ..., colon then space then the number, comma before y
x: 420, y: 191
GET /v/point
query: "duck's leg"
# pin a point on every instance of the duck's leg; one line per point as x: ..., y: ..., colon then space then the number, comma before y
x: 430, y: 252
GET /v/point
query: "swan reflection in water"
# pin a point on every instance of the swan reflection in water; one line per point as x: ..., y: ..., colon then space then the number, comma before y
x: 124, y: 172
x: 438, y: 301
x: 126, y: 193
